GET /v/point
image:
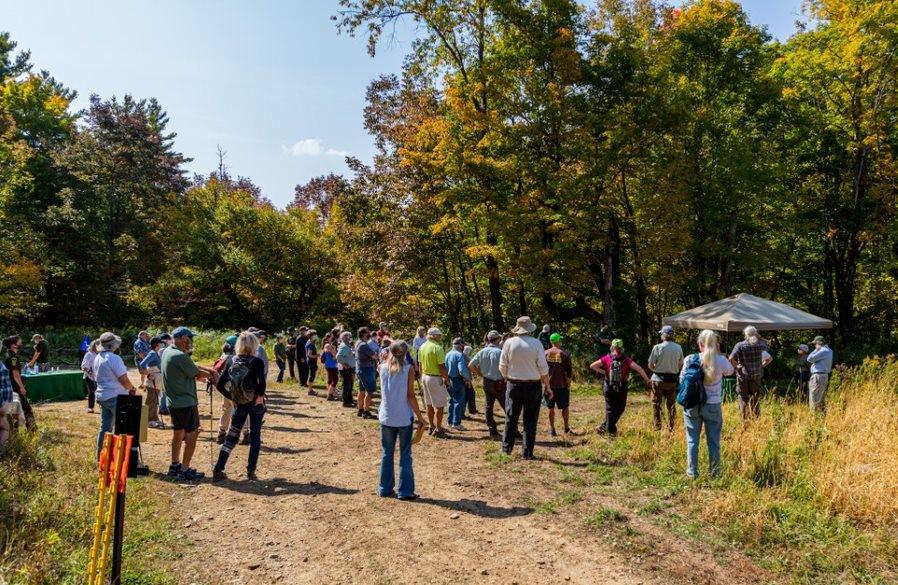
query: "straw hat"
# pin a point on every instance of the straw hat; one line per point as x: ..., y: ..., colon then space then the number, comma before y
x: 525, y: 325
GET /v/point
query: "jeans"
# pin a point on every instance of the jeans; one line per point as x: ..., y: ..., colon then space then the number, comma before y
x: 457, y: 394
x: 388, y: 436
x: 522, y: 397
x: 711, y: 415
x: 492, y: 395
x: 367, y: 379
x: 255, y: 413
x: 280, y: 365
x: 107, y: 420
x: 163, y: 403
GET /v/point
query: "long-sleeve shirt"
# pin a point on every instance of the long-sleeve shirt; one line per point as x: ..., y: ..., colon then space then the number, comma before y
x: 345, y: 357
x: 523, y: 358
x: 487, y: 361
x: 821, y: 360
x: 151, y: 360
x: 456, y: 365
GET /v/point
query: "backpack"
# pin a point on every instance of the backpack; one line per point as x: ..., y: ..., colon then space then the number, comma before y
x: 691, y: 392
x: 615, y: 381
x: 238, y: 381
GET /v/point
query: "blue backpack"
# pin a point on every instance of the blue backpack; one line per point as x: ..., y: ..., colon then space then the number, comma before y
x: 691, y: 392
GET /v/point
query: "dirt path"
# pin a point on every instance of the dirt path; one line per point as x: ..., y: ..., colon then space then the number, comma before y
x: 314, y: 516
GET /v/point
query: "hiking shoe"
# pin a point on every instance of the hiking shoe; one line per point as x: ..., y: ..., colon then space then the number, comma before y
x: 174, y: 470
x: 408, y: 497
x: 251, y: 476
x: 368, y: 415
x: 552, y: 433
x: 312, y: 393
x: 245, y: 439
x: 191, y: 474
x: 220, y: 439
x: 218, y: 476
x: 458, y: 428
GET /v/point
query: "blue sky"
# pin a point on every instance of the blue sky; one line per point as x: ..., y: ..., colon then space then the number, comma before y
x: 271, y: 82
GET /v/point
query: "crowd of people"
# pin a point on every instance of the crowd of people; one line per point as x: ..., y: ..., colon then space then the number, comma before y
x: 519, y: 372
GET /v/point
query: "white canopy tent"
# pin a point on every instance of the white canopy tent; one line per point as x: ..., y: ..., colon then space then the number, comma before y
x: 737, y: 312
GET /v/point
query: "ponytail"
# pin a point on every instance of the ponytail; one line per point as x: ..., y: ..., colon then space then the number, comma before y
x: 707, y: 341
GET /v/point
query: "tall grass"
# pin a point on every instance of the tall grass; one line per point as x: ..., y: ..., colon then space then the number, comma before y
x: 814, y: 496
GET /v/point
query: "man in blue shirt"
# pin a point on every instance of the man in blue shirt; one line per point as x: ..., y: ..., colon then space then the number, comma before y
x: 821, y: 361
x: 459, y: 375
x: 141, y: 349
x: 486, y: 363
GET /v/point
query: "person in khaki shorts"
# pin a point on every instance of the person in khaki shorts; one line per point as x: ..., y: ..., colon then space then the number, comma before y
x: 665, y: 361
x: 432, y: 358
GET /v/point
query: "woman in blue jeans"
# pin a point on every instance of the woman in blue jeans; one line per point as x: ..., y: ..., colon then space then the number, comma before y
x: 111, y: 375
x: 398, y: 407
x: 709, y: 414
x: 243, y: 381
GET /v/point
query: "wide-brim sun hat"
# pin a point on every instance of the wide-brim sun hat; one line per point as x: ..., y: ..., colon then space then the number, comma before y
x: 819, y: 339
x: 109, y: 341
x: 524, y: 325
x: 666, y: 330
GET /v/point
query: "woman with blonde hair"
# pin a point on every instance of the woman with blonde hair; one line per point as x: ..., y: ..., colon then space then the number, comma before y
x: 243, y: 380
x: 398, y: 407
x: 710, y: 414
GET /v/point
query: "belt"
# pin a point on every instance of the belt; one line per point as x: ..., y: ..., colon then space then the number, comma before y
x: 820, y: 373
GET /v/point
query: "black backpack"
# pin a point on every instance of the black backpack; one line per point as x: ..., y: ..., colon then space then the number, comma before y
x: 239, y: 384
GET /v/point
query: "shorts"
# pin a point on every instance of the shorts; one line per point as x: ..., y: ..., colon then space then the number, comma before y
x: 435, y: 392
x: 367, y: 379
x: 561, y: 398
x: 185, y: 419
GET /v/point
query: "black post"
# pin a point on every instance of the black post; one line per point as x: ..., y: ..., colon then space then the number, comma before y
x: 117, y: 538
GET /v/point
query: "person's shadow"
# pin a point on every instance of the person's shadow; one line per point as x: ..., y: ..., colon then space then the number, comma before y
x: 280, y: 486
x: 285, y: 450
x: 477, y: 507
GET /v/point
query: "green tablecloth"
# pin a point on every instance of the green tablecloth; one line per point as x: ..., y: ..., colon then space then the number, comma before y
x: 55, y: 386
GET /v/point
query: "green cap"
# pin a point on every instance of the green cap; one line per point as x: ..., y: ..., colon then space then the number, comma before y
x: 555, y: 337
x: 618, y: 343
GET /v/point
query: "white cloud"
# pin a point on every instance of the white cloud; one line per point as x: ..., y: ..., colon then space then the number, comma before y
x: 311, y: 147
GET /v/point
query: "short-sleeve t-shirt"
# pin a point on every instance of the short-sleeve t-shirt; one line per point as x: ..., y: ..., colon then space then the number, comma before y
x: 108, y: 368
x: 431, y: 356
x: 560, y: 367
x: 626, y: 362
x: 44, y: 348
x: 179, y: 378
x: 14, y: 363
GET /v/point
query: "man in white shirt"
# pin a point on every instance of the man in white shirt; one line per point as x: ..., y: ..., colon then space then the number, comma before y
x: 523, y: 364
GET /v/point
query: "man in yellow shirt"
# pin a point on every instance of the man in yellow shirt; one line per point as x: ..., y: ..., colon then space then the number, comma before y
x: 432, y: 358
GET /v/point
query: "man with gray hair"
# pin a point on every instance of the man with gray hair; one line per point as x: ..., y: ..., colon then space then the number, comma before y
x: 821, y: 361
x: 435, y: 379
x: 523, y: 363
x: 665, y: 361
x: 748, y: 359
x: 486, y: 363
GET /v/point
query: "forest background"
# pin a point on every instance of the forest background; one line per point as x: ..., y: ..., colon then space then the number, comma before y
x: 619, y: 162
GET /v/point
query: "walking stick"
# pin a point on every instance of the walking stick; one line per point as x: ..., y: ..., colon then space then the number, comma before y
x: 211, y: 425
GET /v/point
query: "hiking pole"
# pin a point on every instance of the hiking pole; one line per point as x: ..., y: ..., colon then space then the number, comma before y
x: 211, y: 425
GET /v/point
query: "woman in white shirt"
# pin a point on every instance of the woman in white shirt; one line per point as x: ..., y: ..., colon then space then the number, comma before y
x: 709, y: 414
x: 87, y: 367
x: 111, y: 375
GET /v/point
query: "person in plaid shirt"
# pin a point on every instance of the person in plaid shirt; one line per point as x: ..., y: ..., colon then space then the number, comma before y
x: 748, y: 359
x: 5, y: 399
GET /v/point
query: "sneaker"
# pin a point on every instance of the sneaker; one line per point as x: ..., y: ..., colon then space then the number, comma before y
x: 368, y: 415
x: 251, y: 476
x: 527, y: 456
x: 174, y: 470
x: 218, y: 476
x: 569, y: 431
x: 220, y: 439
x: 91, y: 410
x: 312, y: 393
x: 552, y: 433
x: 191, y: 474
x: 360, y: 413
x: 458, y: 428
x: 408, y: 497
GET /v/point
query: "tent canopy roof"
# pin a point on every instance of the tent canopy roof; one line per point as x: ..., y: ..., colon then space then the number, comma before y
x: 737, y: 312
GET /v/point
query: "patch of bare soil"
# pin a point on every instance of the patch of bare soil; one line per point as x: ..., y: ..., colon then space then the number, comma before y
x: 314, y: 515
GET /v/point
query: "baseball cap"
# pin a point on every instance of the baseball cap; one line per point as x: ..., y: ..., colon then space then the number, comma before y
x: 803, y: 347
x: 458, y: 341
x: 819, y: 339
x: 618, y: 343
x: 231, y: 340
x: 493, y: 335
x: 666, y: 330
x: 433, y: 332
x: 555, y: 337
x: 181, y: 332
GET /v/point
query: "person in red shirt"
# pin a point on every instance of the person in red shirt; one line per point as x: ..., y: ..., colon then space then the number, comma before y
x: 561, y: 371
x: 614, y: 369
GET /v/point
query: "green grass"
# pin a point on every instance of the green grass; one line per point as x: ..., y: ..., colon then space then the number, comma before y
x: 47, y: 501
x: 766, y: 503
